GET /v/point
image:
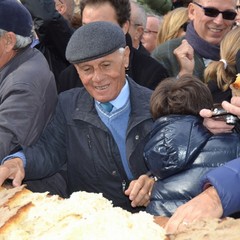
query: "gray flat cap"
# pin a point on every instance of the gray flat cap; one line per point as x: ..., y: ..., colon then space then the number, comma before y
x: 94, y: 40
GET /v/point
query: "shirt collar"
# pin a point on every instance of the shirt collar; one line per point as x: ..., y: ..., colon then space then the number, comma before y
x: 122, y: 97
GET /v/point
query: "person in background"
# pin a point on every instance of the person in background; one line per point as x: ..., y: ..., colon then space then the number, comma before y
x: 181, y: 149
x: 65, y: 8
x: 219, y: 197
x: 98, y: 131
x: 237, y: 22
x: 137, y: 25
x: 28, y: 93
x: 210, y: 21
x: 220, y: 74
x: 53, y: 28
x: 143, y: 69
x: 149, y: 39
x: 174, y: 25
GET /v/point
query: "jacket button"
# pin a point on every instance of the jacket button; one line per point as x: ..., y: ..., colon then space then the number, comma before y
x: 114, y: 173
x: 137, y: 137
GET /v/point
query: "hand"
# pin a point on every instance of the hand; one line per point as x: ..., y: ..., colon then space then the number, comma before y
x: 185, y: 56
x: 139, y: 191
x: 214, y: 126
x: 12, y: 169
x: 205, y: 205
x: 233, y: 107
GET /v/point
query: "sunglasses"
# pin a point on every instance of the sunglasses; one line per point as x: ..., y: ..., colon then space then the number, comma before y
x: 213, y: 12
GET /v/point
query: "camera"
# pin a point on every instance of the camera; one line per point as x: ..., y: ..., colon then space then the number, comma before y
x: 218, y: 113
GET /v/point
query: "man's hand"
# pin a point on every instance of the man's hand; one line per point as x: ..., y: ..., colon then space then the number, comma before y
x: 233, y: 107
x: 12, y: 169
x: 215, y: 126
x: 185, y: 56
x: 205, y: 205
x: 139, y: 191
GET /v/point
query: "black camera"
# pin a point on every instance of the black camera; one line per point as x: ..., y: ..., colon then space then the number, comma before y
x: 218, y: 113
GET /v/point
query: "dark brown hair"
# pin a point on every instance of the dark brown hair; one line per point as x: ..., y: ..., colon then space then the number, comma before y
x: 122, y: 8
x: 186, y: 95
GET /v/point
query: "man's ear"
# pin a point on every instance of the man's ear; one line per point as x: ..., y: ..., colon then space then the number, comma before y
x: 10, y: 41
x: 191, y: 11
x: 126, y: 57
x: 125, y: 27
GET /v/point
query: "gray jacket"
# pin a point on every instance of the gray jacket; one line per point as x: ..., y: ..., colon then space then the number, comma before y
x: 164, y: 54
x: 78, y: 137
x: 28, y: 98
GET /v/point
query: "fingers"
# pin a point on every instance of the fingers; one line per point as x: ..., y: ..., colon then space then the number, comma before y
x: 4, y: 174
x: 12, y: 169
x: 213, y: 125
x: 205, y: 113
x: 233, y: 107
x: 207, y: 204
x: 17, y: 180
x: 139, y: 191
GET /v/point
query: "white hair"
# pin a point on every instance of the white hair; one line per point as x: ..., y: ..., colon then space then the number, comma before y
x: 21, y: 42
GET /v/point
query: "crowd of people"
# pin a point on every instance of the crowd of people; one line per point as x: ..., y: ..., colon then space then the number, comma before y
x: 106, y: 96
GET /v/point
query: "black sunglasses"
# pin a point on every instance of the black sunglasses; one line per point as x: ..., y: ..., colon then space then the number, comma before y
x: 213, y: 12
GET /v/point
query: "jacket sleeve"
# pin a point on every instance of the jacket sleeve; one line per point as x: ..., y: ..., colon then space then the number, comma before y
x: 226, y: 180
x: 48, y: 155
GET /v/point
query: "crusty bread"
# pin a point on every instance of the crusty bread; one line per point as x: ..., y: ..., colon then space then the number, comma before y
x: 210, y: 229
x: 25, y: 215
x: 236, y: 84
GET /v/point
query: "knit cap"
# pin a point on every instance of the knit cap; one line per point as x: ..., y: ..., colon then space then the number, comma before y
x: 14, y: 17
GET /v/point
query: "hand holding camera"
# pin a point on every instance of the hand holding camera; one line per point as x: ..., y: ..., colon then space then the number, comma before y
x: 219, y: 113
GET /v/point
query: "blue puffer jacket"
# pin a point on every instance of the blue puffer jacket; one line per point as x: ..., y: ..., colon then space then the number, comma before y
x: 180, y: 151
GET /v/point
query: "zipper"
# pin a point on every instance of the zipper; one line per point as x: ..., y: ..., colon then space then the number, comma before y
x: 124, y: 185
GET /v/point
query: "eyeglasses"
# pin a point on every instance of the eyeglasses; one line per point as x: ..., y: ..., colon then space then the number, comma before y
x: 149, y: 31
x: 213, y: 12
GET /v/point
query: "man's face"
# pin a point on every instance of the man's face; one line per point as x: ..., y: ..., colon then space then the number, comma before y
x: 211, y: 29
x: 99, y: 12
x: 104, y: 77
x: 149, y: 39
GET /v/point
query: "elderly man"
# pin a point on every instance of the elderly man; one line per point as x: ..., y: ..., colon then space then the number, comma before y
x: 143, y: 69
x: 27, y: 87
x: 210, y: 21
x: 99, y: 131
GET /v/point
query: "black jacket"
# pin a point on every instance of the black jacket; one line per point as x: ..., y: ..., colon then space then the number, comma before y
x: 53, y: 31
x: 78, y: 137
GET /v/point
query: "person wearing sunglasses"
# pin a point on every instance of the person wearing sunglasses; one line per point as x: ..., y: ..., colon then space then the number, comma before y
x: 210, y: 21
x: 237, y: 20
